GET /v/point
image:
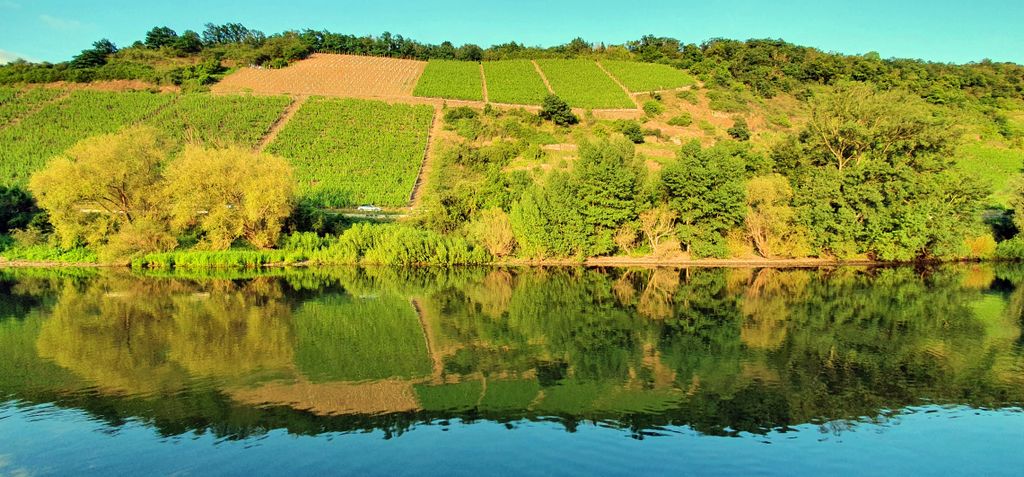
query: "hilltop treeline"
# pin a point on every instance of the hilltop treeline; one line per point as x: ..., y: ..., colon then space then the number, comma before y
x: 766, y: 66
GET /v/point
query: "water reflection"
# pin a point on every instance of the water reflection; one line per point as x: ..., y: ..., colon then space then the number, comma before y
x: 720, y: 351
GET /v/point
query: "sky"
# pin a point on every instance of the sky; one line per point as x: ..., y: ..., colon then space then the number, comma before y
x: 935, y: 30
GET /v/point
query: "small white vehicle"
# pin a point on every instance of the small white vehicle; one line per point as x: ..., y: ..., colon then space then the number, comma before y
x: 368, y: 208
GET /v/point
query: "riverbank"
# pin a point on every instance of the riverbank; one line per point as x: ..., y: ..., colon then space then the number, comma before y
x: 596, y: 262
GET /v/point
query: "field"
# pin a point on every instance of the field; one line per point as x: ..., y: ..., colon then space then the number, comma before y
x: 15, y: 103
x: 451, y: 79
x: 350, y: 152
x: 644, y: 77
x: 993, y: 165
x: 28, y: 145
x: 582, y: 84
x: 220, y: 120
x: 330, y: 75
x: 514, y: 82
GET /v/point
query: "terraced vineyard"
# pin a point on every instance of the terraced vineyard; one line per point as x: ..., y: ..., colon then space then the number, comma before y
x: 15, y: 103
x: 220, y: 120
x: 28, y: 145
x: 582, y: 84
x: 514, y: 82
x: 642, y: 77
x: 451, y: 79
x: 349, y: 151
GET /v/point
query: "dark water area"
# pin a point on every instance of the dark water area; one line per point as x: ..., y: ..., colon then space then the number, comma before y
x: 383, y: 371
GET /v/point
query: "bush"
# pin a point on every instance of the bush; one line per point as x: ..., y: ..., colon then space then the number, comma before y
x: 556, y: 110
x: 739, y: 130
x: 653, y: 108
x: 688, y: 95
x: 683, y: 120
x: 1012, y: 249
x: 461, y: 112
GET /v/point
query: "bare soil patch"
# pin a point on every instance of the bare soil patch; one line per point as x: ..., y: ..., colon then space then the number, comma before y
x: 330, y: 75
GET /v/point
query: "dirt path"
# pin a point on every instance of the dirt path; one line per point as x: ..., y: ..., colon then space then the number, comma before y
x: 428, y: 160
x: 483, y: 79
x: 278, y: 125
x: 616, y: 80
x: 542, y: 77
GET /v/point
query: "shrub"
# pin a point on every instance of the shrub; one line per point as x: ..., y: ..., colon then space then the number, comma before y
x: 556, y: 110
x: 653, y: 108
x: 683, y: 120
x: 739, y: 130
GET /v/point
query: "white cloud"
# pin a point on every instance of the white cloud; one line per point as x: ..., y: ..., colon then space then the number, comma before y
x: 61, y: 24
x: 9, y: 56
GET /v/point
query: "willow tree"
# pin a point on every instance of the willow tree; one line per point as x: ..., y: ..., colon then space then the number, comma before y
x: 230, y: 194
x: 106, y: 191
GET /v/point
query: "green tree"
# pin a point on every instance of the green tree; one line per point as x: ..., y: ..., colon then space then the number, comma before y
x: 706, y: 188
x: 771, y: 220
x: 17, y: 209
x: 160, y: 37
x: 556, y: 110
x: 608, y: 182
x: 189, y: 43
x: 95, y: 56
x: 230, y: 194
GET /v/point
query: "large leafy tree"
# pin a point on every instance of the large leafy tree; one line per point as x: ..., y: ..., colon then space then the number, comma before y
x: 706, y: 188
x: 873, y: 174
x: 105, y: 190
x: 230, y: 194
x: 608, y: 183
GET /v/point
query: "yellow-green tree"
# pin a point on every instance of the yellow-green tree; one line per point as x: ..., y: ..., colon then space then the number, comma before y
x: 230, y: 194
x: 104, y: 191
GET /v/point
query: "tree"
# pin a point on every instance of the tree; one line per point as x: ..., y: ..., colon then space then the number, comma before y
x: 547, y: 222
x: 95, y: 56
x: 189, y: 43
x: 556, y: 110
x: 160, y: 37
x: 854, y: 122
x: 17, y: 209
x: 230, y: 194
x: 105, y: 189
x: 706, y: 188
x: 739, y: 130
x: 493, y: 230
x: 657, y: 224
x: 607, y: 182
x: 469, y: 52
x: 770, y: 219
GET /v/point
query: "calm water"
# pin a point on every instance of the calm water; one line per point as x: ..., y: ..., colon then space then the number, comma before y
x: 527, y: 371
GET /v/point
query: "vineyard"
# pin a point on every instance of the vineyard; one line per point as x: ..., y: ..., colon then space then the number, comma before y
x: 451, y: 79
x: 26, y: 146
x: 514, y: 82
x: 220, y: 120
x: 15, y: 103
x: 582, y: 84
x: 643, y: 77
x: 329, y: 75
x: 349, y: 152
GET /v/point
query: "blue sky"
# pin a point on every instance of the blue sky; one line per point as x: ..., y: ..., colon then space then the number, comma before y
x: 937, y: 30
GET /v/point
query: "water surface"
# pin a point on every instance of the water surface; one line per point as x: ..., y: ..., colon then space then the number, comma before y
x: 387, y: 371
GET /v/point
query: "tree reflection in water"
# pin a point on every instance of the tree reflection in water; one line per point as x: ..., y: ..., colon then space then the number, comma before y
x: 722, y: 351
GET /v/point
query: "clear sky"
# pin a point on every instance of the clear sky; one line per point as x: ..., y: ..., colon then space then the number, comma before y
x: 937, y: 30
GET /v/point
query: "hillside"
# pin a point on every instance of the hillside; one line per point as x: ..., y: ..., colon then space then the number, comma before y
x: 445, y: 138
